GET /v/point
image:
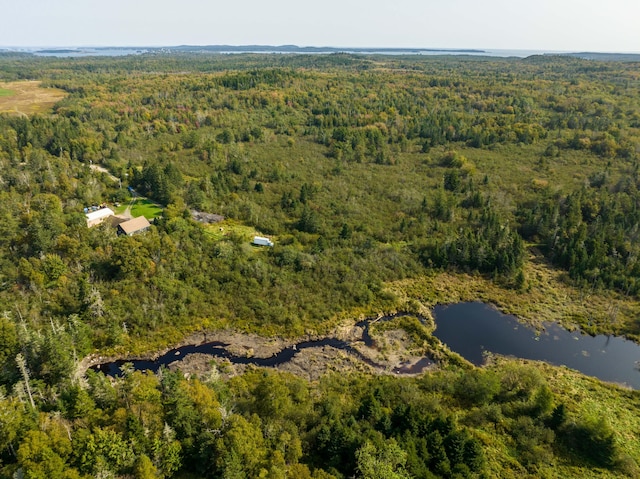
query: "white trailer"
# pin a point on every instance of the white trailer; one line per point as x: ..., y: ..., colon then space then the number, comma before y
x: 262, y: 241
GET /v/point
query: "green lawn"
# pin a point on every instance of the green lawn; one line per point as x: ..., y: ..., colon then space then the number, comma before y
x: 141, y: 207
x: 4, y: 92
x: 146, y: 208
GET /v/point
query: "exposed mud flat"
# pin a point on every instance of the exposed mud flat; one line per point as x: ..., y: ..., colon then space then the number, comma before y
x: 389, y: 352
x: 310, y: 364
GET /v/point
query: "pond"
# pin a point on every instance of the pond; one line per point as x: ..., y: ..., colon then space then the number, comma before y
x: 471, y: 329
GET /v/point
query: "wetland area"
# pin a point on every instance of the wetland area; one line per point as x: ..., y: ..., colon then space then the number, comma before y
x: 473, y: 330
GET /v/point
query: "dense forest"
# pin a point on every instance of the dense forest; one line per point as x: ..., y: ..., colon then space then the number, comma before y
x: 368, y: 172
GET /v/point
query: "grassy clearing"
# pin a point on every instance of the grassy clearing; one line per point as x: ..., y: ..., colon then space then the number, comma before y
x: 146, y: 208
x: 26, y: 97
x: 120, y: 209
x: 231, y: 229
x: 140, y: 207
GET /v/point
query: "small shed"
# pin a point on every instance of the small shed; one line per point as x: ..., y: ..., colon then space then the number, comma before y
x: 134, y: 226
x: 96, y: 217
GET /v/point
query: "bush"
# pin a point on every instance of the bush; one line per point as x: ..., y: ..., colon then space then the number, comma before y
x: 593, y: 440
x: 477, y: 387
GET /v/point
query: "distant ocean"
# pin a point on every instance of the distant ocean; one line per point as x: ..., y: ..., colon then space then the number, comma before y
x: 475, y: 52
x: 86, y: 52
x: 430, y: 52
x: 71, y: 52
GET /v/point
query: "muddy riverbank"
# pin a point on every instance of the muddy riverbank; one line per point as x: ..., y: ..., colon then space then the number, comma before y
x: 351, y: 347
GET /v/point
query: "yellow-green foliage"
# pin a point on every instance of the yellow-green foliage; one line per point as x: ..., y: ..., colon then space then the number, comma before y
x: 230, y: 229
x: 418, y: 334
x: 389, y: 183
x: 588, y: 402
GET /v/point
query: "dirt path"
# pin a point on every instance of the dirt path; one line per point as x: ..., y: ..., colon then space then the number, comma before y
x: 127, y: 212
x: 103, y: 170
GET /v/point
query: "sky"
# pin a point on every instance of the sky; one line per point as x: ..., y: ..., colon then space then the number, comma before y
x: 551, y: 25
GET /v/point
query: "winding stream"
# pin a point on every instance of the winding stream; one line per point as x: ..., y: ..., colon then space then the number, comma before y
x: 217, y: 349
x: 470, y: 329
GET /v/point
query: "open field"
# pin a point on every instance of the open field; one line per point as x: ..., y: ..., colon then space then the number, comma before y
x: 26, y: 97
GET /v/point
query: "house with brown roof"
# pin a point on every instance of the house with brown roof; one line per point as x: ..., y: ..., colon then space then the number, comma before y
x: 134, y: 226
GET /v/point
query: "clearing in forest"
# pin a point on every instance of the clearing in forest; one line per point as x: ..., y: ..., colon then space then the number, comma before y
x: 27, y: 97
x: 229, y: 229
x: 139, y: 206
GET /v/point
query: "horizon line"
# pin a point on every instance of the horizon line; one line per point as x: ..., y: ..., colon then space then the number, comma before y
x: 315, y: 47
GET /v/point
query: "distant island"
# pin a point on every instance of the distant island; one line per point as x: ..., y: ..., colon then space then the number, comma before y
x: 604, y: 57
x: 66, y: 51
x: 297, y: 49
x: 133, y: 50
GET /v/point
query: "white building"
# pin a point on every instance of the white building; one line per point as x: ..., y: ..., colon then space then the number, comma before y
x: 98, y: 216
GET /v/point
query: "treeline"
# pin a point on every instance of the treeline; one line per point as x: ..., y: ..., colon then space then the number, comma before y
x: 592, y: 233
x: 491, y: 247
x: 428, y: 107
x: 274, y: 425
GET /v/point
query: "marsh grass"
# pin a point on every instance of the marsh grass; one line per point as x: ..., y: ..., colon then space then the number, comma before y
x: 27, y: 97
x: 545, y: 297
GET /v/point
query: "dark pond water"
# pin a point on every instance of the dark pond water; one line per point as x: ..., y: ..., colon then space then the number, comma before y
x: 218, y: 350
x: 470, y: 329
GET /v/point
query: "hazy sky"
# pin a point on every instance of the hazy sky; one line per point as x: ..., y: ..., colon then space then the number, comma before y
x: 576, y: 25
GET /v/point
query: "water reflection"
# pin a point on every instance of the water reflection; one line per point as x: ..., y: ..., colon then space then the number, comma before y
x: 473, y: 328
